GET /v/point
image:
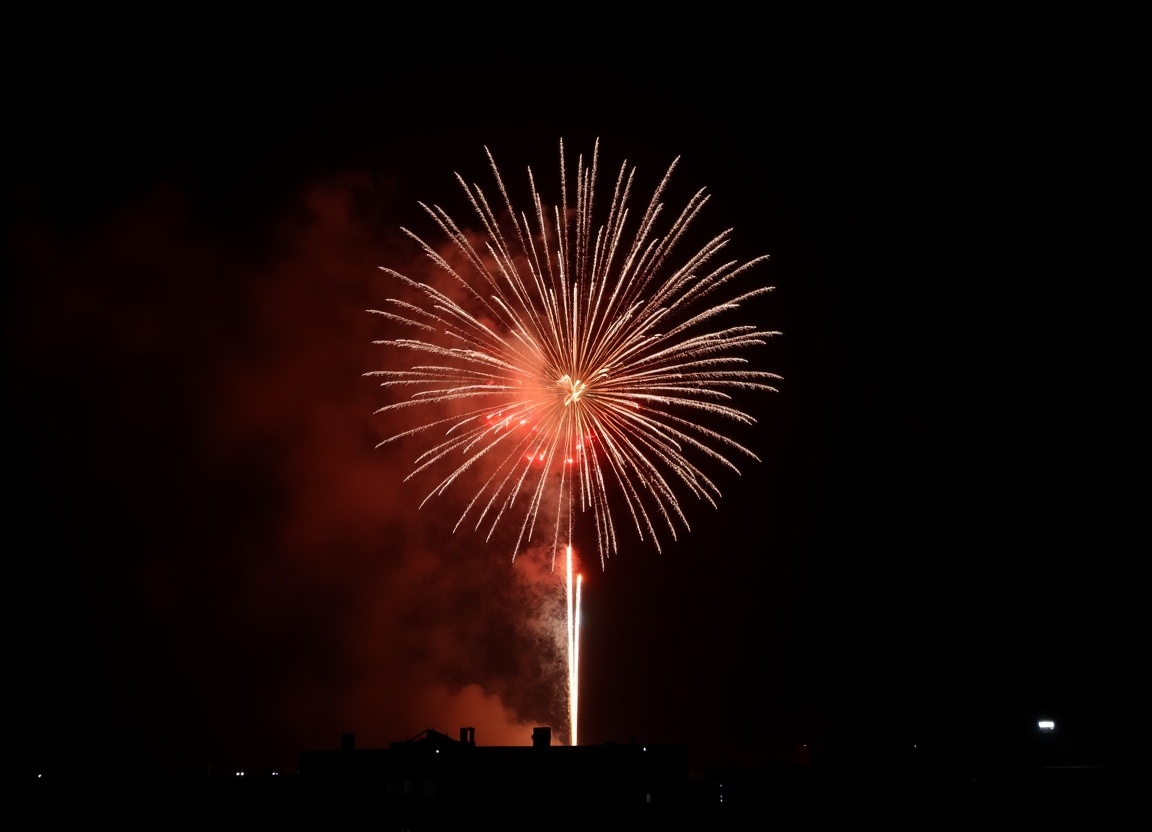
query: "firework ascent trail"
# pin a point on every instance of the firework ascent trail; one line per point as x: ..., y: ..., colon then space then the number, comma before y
x: 573, y: 648
x: 573, y: 362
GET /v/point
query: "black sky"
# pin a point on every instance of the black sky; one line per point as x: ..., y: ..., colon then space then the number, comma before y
x: 208, y: 561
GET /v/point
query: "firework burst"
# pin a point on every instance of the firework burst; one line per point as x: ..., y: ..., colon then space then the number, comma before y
x: 580, y: 364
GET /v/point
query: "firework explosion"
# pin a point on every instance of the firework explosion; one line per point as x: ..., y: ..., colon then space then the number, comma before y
x: 575, y: 360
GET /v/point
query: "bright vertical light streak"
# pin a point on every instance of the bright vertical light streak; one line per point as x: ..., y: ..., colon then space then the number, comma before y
x: 576, y: 661
x: 573, y: 647
x: 572, y: 694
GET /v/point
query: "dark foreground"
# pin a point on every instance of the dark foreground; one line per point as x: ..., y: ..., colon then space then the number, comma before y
x: 1100, y: 797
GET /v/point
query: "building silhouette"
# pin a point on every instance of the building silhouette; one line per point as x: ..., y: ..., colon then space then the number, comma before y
x: 433, y: 769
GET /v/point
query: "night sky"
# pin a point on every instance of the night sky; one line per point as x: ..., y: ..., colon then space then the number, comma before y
x: 210, y: 564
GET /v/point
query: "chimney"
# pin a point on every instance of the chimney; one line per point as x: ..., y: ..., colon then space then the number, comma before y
x: 468, y: 736
x: 541, y: 737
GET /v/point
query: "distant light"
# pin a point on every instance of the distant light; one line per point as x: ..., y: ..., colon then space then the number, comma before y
x: 1046, y: 725
x: 645, y: 748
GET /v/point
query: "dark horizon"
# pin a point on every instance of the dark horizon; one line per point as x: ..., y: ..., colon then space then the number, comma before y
x: 210, y: 561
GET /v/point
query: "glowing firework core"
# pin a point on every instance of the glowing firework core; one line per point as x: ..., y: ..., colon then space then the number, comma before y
x: 573, y: 390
